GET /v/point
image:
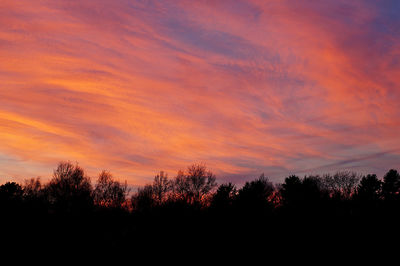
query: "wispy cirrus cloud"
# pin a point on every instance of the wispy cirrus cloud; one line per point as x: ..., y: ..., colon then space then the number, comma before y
x: 244, y: 86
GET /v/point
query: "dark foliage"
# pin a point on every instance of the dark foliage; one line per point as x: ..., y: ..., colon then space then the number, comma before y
x: 68, y: 211
x: 108, y: 192
x: 70, y: 189
x: 255, y: 197
x: 224, y: 198
x: 10, y: 197
x: 391, y: 185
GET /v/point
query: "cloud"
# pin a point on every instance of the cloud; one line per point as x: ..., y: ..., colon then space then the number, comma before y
x: 243, y: 86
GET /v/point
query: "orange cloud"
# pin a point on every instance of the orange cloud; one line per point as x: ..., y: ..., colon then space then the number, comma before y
x: 244, y: 86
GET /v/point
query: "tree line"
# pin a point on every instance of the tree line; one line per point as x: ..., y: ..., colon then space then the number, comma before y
x: 192, y: 207
x: 71, y: 191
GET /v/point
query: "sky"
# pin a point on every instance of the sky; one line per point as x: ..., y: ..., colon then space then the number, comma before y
x: 244, y: 87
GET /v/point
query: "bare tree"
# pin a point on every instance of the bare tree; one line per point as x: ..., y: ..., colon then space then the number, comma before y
x: 109, y: 192
x: 161, y: 187
x: 341, y: 184
x: 70, y: 189
x: 143, y: 199
x: 32, y: 187
x: 195, y: 184
x: 152, y: 195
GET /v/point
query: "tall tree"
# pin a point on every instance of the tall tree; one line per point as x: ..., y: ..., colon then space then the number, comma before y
x: 194, y: 185
x: 161, y: 187
x: 10, y: 197
x: 291, y: 191
x: 391, y: 185
x: 143, y: 200
x: 369, y: 189
x: 255, y: 196
x: 342, y: 185
x: 224, y: 197
x: 70, y: 189
x: 109, y: 192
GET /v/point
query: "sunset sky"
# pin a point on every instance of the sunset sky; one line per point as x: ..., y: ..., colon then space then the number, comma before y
x: 246, y: 87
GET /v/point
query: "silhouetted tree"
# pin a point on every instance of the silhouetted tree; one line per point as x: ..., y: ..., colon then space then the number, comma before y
x: 179, y: 187
x: 312, y: 188
x: 391, y: 185
x: 224, y: 197
x: 34, y: 196
x: 342, y: 185
x: 143, y: 200
x: 108, y: 192
x: 369, y: 194
x: 194, y: 185
x: 32, y: 188
x: 314, y: 196
x: 10, y: 197
x: 152, y: 195
x: 69, y: 190
x: 161, y: 187
x: 255, y: 196
x: 291, y: 191
x: 302, y: 196
x: 11, y: 191
x: 187, y: 207
x: 369, y: 189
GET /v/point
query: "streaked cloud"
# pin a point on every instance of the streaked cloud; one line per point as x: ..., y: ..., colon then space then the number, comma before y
x: 244, y: 86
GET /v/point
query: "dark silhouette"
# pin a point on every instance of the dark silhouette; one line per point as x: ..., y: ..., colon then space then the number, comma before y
x: 68, y: 211
x: 224, y: 198
x: 194, y: 185
x: 341, y: 185
x: 391, y: 185
x: 188, y: 190
x: 70, y: 189
x: 302, y: 197
x: 108, y: 192
x: 369, y: 190
x: 161, y: 187
x: 143, y: 199
x: 10, y: 198
x: 255, y: 197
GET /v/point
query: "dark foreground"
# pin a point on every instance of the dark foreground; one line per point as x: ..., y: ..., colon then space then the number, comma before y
x: 190, y: 215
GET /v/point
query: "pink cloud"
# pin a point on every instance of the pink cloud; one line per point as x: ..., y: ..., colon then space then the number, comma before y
x: 246, y: 87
